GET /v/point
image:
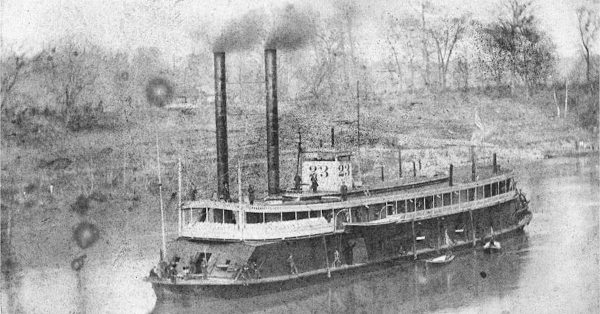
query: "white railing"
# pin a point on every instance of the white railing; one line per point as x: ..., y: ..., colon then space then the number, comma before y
x: 442, y: 211
x: 259, y: 231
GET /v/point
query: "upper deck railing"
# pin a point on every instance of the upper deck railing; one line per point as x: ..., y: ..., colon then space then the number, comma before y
x: 359, y: 201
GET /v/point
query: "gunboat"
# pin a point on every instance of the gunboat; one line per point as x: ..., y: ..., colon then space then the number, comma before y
x: 298, y: 237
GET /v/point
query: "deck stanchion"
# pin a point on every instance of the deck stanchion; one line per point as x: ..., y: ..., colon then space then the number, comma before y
x: 179, y: 193
x: 399, y: 162
x: 332, y: 137
x: 473, y: 170
x: 414, y: 236
x: 472, y: 227
x: 326, y: 257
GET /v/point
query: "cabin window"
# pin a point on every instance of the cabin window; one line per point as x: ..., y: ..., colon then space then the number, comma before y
x: 420, y: 203
x: 494, y: 188
x: 502, y: 186
x: 401, y: 206
x: 509, y: 185
x: 455, y: 197
x: 254, y: 218
x: 479, y: 193
x: 437, y: 200
x: 289, y: 216
x: 471, y: 194
x: 202, y: 214
x: 271, y: 217
x: 410, y: 205
x: 464, y: 197
x: 315, y: 214
x: 389, y: 209
x: 429, y: 202
x: 447, y: 199
x: 487, y: 190
x: 302, y: 215
x: 229, y: 217
x: 218, y: 215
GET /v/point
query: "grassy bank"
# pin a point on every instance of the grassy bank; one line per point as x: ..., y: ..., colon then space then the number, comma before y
x: 114, y: 167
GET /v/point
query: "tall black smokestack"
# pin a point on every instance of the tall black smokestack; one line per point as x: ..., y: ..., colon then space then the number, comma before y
x: 221, y: 125
x: 272, y: 121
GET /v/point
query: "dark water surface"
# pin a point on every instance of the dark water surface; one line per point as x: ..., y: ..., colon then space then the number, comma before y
x: 551, y: 268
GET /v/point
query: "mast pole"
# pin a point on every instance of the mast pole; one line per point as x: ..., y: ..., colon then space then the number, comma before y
x: 162, y: 211
x: 242, y: 214
x: 179, y: 193
x: 358, y: 129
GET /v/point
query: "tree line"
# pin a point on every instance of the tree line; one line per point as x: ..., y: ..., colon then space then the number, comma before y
x: 429, y: 49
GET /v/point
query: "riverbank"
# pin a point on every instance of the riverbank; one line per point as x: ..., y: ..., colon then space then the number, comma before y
x: 111, y: 173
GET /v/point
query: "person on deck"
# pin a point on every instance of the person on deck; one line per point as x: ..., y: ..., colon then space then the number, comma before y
x: 293, y: 269
x: 314, y: 183
x: 336, y: 259
x: 297, y: 182
x: 250, y: 194
x: 344, y: 191
x: 204, y: 267
x: 193, y: 192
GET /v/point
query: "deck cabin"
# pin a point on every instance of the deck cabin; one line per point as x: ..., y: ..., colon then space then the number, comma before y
x: 234, y: 222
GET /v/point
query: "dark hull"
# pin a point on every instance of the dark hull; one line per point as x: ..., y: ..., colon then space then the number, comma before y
x: 380, y: 248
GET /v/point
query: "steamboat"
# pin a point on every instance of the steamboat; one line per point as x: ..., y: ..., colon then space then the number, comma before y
x: 328, y: 225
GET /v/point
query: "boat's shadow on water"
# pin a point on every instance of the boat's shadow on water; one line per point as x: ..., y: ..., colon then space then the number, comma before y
x: 405, y: 287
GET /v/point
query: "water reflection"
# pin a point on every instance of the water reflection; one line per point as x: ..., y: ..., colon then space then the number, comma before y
x: 551, y: 268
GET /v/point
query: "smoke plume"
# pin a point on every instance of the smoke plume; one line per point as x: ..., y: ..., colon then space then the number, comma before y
x: 241, y: 34
x: 293, y: 29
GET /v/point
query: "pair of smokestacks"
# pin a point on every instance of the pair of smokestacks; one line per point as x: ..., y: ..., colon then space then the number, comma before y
x: 272, y: 123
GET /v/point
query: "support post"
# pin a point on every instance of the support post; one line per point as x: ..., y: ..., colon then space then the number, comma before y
x: 472, y: 227
x: 399, y: 162
x: 332, y: 137
x: 473, y: 166
x: 326, y: 258
x: 414, y: 169
x: 162, y: 211
x: 299, y: 152
x: 414, y: 236
x: 179, y: 194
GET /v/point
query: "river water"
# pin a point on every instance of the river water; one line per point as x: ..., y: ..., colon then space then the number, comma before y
x: 552, y: 268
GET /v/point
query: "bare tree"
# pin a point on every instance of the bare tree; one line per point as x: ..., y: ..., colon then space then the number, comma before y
x: 528, y: 50
x: 445, y: 35
x: 588, y: 23
x: 12, y: 68
x: 70, y: 70
x: 424, y: 6
x: 402, y: 38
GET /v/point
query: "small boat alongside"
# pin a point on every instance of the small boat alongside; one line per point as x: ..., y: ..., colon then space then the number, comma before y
x: 446, y: 258
x: 441, y: 260
x: 492, y: 246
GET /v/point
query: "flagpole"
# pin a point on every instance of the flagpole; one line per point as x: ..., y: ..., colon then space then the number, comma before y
x: 162, y: 211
